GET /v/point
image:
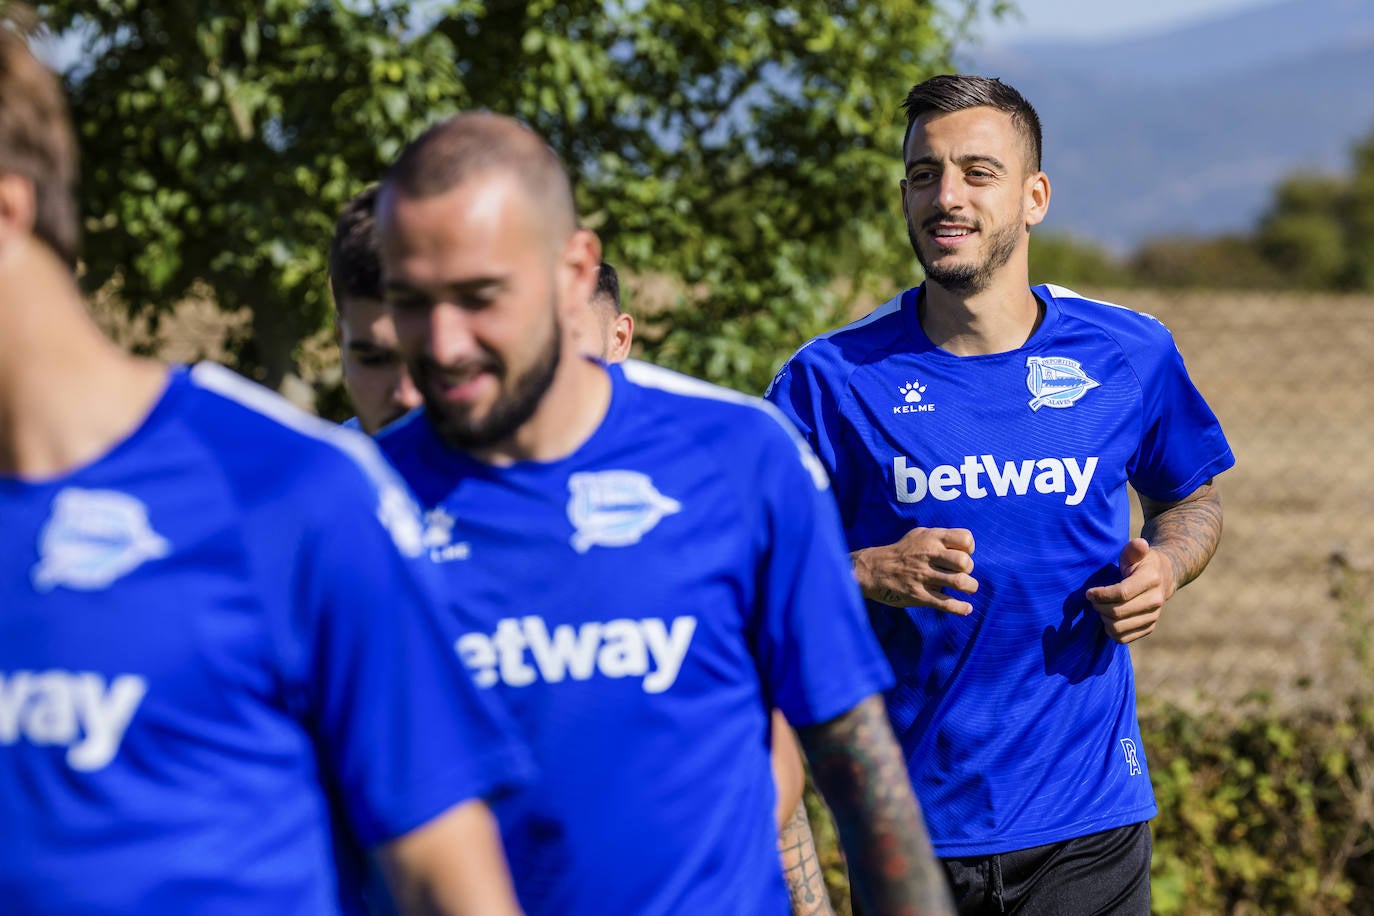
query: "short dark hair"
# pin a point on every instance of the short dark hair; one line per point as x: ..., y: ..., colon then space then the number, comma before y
x: 608, y: 286
x: 37, y: 142
x: 950, y: 92
x: 355, y: 263
x: 480, y: 142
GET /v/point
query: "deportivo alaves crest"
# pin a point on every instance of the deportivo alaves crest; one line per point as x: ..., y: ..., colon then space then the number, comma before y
x: 1056, y: 381
x: 94, y: 537
x: 614, y: 508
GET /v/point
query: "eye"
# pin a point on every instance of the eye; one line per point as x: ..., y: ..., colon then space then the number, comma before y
x: 921, y: 176
x: 378, y: 360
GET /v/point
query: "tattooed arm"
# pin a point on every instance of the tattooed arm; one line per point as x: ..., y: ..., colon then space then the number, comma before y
x: 859, y: 769
x: 801, y: 868
x: 1175, y: 544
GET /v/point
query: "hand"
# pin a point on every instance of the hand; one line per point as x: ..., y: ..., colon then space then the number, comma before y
x: 915, y: 571
x: 1130, y: 609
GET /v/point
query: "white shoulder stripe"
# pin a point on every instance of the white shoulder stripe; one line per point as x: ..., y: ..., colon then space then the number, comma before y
x: 1063, y: 292
x: 647, y: 375
x: 353, y: 443
x: 887, y: 308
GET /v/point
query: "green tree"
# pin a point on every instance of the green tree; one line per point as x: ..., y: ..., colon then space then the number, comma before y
x: 220, y: 139
x: 1303, y: 235
x: 733, y: 146
x: 1319, y: 231
x: 1071, y: 262
x: 1222, y: 262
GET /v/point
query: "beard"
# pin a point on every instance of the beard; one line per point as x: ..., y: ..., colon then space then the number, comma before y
x: 968, y: 279
x: 459, y: 429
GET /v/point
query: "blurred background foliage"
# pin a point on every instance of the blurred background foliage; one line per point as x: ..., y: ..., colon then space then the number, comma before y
x: 746, y: 154
x: 731, y: 147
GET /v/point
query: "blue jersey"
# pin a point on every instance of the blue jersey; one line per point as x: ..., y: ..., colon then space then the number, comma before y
x: 1018, y: 721
x: 216, y: 662
x: 644, y: 602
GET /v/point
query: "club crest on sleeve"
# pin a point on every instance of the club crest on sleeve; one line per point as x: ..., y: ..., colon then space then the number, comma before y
x: 92, y: 538
x: 614, y: 508
x: 1056, y: 381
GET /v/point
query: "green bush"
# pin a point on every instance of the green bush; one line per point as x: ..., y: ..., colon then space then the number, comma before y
x: 1258, y: 813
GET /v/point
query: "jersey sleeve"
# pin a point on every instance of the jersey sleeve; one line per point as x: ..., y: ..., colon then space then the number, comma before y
x: 403, y: 731
x: 816, y: 650
x: 800, y: 392
x: 1182, y: 444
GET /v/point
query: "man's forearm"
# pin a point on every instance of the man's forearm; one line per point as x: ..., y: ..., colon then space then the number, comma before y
x: 1187, y: 532
x: 801, y: 868
x: 857, y: 765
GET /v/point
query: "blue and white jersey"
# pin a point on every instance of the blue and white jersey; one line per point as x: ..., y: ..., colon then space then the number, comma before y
x: 644, y: 602
x: 221, y: 676
x: 1018, y: 721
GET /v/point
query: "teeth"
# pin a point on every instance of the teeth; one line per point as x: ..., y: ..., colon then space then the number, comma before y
x: 950, y: 233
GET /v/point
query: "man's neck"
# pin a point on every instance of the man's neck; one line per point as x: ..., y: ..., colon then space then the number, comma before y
x: 999, y: 318
x: 569, y: 413
x: 67, y: 393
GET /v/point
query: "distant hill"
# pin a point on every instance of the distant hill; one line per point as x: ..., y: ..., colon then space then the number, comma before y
x: 1189, y: 131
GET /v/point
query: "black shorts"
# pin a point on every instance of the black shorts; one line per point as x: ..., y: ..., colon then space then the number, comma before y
x: 1101, y: 873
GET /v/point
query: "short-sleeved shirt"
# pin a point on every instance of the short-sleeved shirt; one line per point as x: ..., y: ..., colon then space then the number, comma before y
x: 1018, y: 721
x: 222, y: 666
x: 643, y: 603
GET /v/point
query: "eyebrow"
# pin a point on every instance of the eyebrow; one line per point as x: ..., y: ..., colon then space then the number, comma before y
x: 966, y: 160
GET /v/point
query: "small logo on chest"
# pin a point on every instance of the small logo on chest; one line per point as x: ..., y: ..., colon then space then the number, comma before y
x: 94, y: 537
x: 614, y: 508
x: 1056, y: 381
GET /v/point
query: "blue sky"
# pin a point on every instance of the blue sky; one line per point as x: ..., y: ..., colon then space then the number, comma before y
x: 1103, y: 19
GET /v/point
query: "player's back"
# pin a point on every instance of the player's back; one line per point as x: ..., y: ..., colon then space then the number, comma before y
x: 627, y: 611
x: 170, y: 662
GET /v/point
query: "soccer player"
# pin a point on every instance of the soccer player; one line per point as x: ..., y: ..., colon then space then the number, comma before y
x: 975, y: 408
x: 657, y: 560
x: 213, y: 681
x: 373, y: 371
x: 604, y: 329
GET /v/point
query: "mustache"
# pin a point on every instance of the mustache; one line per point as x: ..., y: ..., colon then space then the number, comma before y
x: 949, y: 219
x: 429, y: 368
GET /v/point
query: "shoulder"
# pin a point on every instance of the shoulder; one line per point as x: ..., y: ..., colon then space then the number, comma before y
x: 272, y: 453
x: 733, y: 422
x: 850, y: 344
x: 1119, y: 322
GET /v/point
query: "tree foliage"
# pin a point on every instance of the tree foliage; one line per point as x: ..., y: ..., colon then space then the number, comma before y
x: 734, y: 147
x: 1319, y: 230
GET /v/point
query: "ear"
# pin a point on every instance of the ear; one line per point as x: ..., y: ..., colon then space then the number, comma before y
x: 18, y: 210
x: 1037, y: 198
x: 622, y: 337
x: 906, y: 217
x: 581, y: 264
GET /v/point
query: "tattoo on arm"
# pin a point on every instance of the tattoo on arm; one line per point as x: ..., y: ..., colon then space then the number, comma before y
x: 1187, y: 531
x: 857, y: 765
x: 801, y: 868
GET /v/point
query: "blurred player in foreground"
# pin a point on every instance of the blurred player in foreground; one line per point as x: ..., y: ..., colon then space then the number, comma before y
x: 212, y: 682
x: 657, y: 561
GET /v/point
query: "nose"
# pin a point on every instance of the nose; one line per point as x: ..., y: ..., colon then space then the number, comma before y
x: 448, y: 335
x: 951, y: 190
